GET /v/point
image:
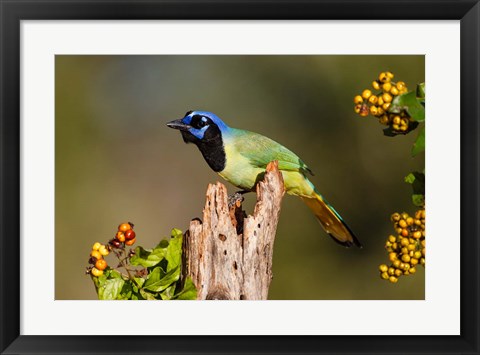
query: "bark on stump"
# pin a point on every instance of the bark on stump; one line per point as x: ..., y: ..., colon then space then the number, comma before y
x: 229, y: 257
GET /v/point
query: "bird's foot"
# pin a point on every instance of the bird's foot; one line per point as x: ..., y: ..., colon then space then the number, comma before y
x: 235, y: 200
x: 237, y: 215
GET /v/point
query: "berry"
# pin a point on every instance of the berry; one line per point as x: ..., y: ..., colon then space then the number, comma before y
x: 96, y: 246
x: 366, y: 94
x: 395, y: 217
x: 376, y: 85
x: 364, y: 110
x: 96, y: 254
x: 393, y: 279
x: 387, y: 97
x: 114, y: 243
x: 130, y: 234
x: 120, y: 237
x: 383, y: 78
x: 130, y: 242
x: 384, y: 120
x: 386, y: 87
x: 401, y: 86
x: 95, y: 272
x: 101, y: 264
x: 124, y: 227
x: 394, y: 91
x: 103, y: 250
x: 358, y: 99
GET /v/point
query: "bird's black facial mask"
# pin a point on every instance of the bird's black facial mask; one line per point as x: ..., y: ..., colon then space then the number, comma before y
x: 206, y: 135
x: 196, y: 128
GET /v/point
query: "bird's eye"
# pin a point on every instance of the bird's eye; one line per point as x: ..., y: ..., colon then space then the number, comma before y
x: 202, y: 122
x: 199, y: 121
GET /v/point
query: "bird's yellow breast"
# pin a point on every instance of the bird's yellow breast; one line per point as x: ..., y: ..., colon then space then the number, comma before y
x: 239, y: 171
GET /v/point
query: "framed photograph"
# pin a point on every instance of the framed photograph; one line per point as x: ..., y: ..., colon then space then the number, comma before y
x: 295, y: 220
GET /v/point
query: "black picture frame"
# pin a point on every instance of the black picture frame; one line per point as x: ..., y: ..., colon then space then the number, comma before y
x: 12, y: 12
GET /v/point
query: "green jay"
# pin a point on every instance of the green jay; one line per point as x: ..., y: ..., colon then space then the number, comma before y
x: 240, y: 157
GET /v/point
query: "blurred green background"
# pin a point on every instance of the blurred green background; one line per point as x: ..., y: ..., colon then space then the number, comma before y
x: 117, y: 161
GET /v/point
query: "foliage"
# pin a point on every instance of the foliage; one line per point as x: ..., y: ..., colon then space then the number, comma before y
x: 417, y: 180
x: 156, y: 274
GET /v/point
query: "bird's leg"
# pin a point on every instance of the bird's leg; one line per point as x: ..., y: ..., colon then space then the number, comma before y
x: 237, y: 198
x: 237, y: 215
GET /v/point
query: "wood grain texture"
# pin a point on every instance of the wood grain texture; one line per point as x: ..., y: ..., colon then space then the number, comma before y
x: 227, y: 255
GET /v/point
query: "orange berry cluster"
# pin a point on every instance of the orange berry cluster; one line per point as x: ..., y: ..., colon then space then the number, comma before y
x: 378, y: 104
x: 96, y: 258
x: 407, y: 249
x: 125, y: 235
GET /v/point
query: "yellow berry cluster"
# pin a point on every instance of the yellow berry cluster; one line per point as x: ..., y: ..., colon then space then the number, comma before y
x: 377, y: 104
x: 407, y: 249
x: 96, y: 258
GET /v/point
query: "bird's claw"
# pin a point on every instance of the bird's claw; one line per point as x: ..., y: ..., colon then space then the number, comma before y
x: 235, y: 200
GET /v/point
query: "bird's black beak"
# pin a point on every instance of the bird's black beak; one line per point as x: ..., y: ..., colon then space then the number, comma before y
x: 178, y: 124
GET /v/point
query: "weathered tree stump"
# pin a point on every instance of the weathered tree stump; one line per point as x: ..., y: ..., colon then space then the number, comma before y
x: 229, y: 257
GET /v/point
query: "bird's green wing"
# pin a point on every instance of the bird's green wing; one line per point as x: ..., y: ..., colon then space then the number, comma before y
x: 261, y: 150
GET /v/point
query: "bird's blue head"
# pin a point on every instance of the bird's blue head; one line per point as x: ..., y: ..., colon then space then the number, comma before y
x: 200, y: 126
x: 206, y: 130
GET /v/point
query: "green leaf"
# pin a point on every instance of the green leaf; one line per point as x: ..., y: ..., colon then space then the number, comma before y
x: 126, y: 292
x: 417, y: 180
x: 189, y: 291
x: 140, y: 281
x: 147, y: 295
x: 158, y: 280
x: 409, y: 103
x: 167, y: 294
x: 174, y: 250
x: 99, y: 281
x: 163, y: 244
x: 418, y: 200
x: 421, y: 91
x: 176, y: 233
x: 111, y: 289
x: 147, y: 257
x: 113, y: 274
x: 419, y: 145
